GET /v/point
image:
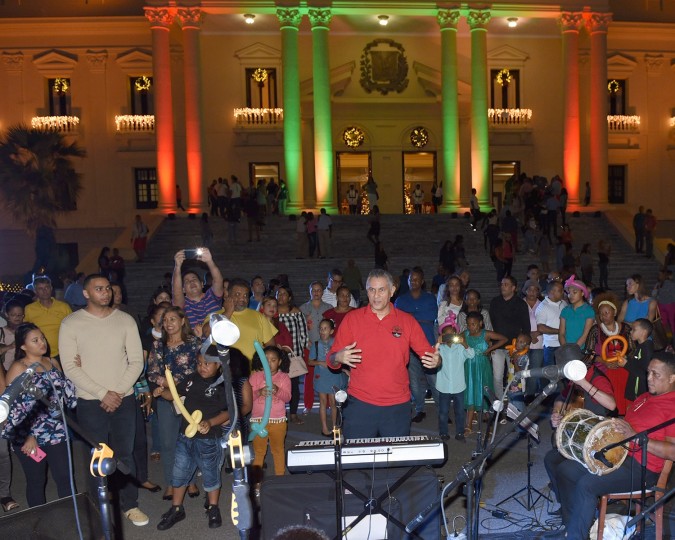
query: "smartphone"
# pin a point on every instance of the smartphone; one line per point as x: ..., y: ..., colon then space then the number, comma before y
x: 39, y: 455
x: 193, y: 253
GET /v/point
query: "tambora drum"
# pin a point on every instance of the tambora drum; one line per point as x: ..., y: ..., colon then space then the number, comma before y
x: 581, y: 433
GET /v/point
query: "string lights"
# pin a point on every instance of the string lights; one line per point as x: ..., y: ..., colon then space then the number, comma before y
x: 509, y: 116
x: 55, y: 123
x: 135, y: 122
x: 251, y: 116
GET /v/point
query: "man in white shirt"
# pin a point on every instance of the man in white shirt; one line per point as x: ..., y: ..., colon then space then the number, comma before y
x: 353, y: 199
x: 335, y: 279
x: 548, y: 320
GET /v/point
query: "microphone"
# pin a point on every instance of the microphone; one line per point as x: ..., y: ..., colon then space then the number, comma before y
x: 599, y: 455
x: 340, y: 395
x: 13, y: 391
x: 497, y: 404
x: 574, y: 370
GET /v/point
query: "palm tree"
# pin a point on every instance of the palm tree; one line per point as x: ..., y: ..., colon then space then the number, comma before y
x: 38, y: 182
x: 37, y: 177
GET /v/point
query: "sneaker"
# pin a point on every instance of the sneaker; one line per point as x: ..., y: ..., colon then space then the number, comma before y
x: 460, y: 437
x: 419, y: 417
x: 137, y: 517
x: 445, y: 437
x: 213, y: 513
x: 170, y: 518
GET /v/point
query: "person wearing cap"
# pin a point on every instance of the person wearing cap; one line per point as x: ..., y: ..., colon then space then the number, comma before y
x: 578, y: 317
x: 204, y: 391
x: 450, y: 379
x: 47, y: 312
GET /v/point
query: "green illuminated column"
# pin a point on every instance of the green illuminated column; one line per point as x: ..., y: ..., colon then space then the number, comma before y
x: 290, y: 18
x: 480, y: 144
x: 447, y: 20
x: 323, y: 139
x: 597, y: 25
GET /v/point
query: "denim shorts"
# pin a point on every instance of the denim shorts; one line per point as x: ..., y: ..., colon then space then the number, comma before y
x: 205, y: 454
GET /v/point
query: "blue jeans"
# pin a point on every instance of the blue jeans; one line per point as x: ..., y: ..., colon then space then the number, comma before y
x: 421, y: 379
x: 444, y: 412
x: 533, y: 385
x: 577, y: 490
x: 363, y: 420
x: 118, y: 430
x: 207, y: 454
x: 169, y: 428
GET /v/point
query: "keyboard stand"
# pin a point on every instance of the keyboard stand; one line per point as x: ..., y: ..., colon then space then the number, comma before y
x: 374, y: 505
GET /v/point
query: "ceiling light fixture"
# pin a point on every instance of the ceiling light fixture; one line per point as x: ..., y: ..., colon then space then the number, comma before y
x: 512, y: 22
x: 249, y: 18
x: 383, y: 20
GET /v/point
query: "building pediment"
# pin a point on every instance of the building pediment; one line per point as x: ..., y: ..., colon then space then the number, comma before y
x: 429, y: 79
x: 340, y: 77
x: 55, y: 63
x: 257, y: 51
x: 135, y: 62
x: 507, y: 56
x: 620, y: 65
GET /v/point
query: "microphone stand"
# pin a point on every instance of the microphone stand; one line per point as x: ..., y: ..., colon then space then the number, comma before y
x: 241, y: 511
x: 103, y: 462
x: 641, y: 439
x: 473, y: 470
x: 337, y: 450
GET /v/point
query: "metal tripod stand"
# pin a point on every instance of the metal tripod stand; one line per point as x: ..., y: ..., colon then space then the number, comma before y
x: 530, y: 501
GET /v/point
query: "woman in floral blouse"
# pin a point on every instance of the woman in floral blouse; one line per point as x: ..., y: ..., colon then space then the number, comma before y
x: 178, y: 350
x: 37, y: 432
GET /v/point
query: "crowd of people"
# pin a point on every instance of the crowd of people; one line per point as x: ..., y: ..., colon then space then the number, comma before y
x: 403, y: 340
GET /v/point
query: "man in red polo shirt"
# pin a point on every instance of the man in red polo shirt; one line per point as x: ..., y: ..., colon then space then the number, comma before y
x: 374, y: 341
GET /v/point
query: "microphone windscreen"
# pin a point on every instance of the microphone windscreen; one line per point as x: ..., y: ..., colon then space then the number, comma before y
x: 575, y: 370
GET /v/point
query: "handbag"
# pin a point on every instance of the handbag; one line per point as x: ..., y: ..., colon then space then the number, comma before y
x: 298, y: 366
x: 659, y: 335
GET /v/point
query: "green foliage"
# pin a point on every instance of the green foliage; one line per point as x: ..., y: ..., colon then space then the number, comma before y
x: 37, y: 177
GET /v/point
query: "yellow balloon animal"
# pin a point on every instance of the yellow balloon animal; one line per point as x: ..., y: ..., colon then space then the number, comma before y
x: 192, y: 419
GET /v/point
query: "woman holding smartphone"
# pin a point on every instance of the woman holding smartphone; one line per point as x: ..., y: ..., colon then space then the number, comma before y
x: 37, y: 433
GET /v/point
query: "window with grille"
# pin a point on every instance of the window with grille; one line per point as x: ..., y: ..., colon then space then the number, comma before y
x: 146, y: 188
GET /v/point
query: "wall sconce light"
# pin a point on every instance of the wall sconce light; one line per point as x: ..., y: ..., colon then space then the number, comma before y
x: 249, y: 18
x: 383, y: 20
x: 512, y: 22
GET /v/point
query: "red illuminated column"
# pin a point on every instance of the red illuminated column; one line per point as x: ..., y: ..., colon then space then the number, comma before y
x: 160, y: 22
x: 570, y: 24
x: 597, y: 24
x: 190, y: 20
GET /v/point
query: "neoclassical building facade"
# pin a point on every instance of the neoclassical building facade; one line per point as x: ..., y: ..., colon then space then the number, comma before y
x: 325, y: 93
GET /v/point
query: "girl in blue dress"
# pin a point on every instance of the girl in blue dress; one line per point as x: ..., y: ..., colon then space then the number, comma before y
x: 324, y: 378
x: 478, y: 370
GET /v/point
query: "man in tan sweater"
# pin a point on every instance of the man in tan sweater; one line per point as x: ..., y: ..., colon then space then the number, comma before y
x: 101, y: 353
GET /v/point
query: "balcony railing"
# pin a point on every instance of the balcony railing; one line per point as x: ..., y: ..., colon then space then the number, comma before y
x: 258, y: 117
x: 620, y: 122
x: 509, y: 117
x: 135, y: 123
x: 62, y: 124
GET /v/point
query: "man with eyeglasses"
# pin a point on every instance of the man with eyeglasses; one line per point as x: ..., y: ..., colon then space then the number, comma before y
x: 335, y: 279
x: 375, y: 342
x: 47, y: 312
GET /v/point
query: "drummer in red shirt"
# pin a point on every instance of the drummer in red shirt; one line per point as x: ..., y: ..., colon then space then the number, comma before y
x: 374, y: 341
x: 579, y: 489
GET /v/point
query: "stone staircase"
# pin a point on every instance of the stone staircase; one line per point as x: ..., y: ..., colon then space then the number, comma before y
x: 408, y: 241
